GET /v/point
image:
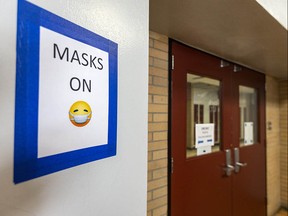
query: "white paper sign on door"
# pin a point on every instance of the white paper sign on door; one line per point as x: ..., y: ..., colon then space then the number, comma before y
x: 204, y: 135
x: 248, y: 133
x: 204, y: 150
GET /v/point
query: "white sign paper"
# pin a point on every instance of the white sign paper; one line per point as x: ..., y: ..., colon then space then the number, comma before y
x: 248, y: 133
x: 71, y: 71
x: 204, y: 135
x: 204, y: 150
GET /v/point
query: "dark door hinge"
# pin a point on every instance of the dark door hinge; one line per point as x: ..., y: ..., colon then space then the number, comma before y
x: 172, y: 164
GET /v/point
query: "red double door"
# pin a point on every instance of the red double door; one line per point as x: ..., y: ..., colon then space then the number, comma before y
x: 228, y: 176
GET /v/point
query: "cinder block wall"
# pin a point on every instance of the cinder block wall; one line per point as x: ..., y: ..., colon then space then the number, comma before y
x: 158, y: 125
x: 283, y: 142
x: 273, y: 145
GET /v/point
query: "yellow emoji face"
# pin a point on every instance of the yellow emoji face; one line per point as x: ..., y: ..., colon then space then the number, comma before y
x: 80, y: 113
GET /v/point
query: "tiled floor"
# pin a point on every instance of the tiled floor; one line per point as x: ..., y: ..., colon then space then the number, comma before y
x: 282, y: 212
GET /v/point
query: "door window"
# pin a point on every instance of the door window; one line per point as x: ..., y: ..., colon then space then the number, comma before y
x: 203, y: 109
x: 248, y: 115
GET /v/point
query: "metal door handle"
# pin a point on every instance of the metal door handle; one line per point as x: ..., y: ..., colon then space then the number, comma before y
x: 241, y: 164
x: 238, y: 164
x: 228, y: 168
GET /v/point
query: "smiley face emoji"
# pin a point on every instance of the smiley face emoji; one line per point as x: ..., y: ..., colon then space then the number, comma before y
x: 80, y: 113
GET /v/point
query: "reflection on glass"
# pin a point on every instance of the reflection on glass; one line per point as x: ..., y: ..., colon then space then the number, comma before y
x: 248, y: 115
x: 203, y: 107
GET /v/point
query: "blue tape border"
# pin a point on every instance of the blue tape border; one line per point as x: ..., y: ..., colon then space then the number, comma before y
x: 26, y: 164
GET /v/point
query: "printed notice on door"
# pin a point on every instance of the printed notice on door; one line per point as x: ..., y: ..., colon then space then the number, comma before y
x: 248, y: 133
x: 204, y: 135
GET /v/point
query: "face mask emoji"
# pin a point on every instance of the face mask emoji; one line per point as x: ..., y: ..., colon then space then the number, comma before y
x: 80, y: 113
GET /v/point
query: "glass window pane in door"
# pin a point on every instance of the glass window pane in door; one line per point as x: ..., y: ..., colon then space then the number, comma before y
x: 248, y: 115
x: 203, y: 113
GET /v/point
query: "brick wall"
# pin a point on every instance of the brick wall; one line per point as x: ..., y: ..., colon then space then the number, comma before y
x: 158, y: 125
x: 283, y: 142
x: 273, y: 145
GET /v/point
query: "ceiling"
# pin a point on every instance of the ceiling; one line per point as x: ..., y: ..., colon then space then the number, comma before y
x: 239, y: 31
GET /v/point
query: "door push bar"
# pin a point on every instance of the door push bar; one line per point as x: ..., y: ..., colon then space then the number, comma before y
x: 229, y: 167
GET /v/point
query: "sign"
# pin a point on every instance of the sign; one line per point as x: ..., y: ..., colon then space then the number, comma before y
x: 66, y: 94
x: 204, y: 150
x: 71, y: 71
x: 248, y: 133
x: 204, y: 135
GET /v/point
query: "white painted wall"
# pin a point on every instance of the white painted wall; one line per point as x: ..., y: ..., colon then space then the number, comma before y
x: 277, y: 9
x: 109, y: 187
